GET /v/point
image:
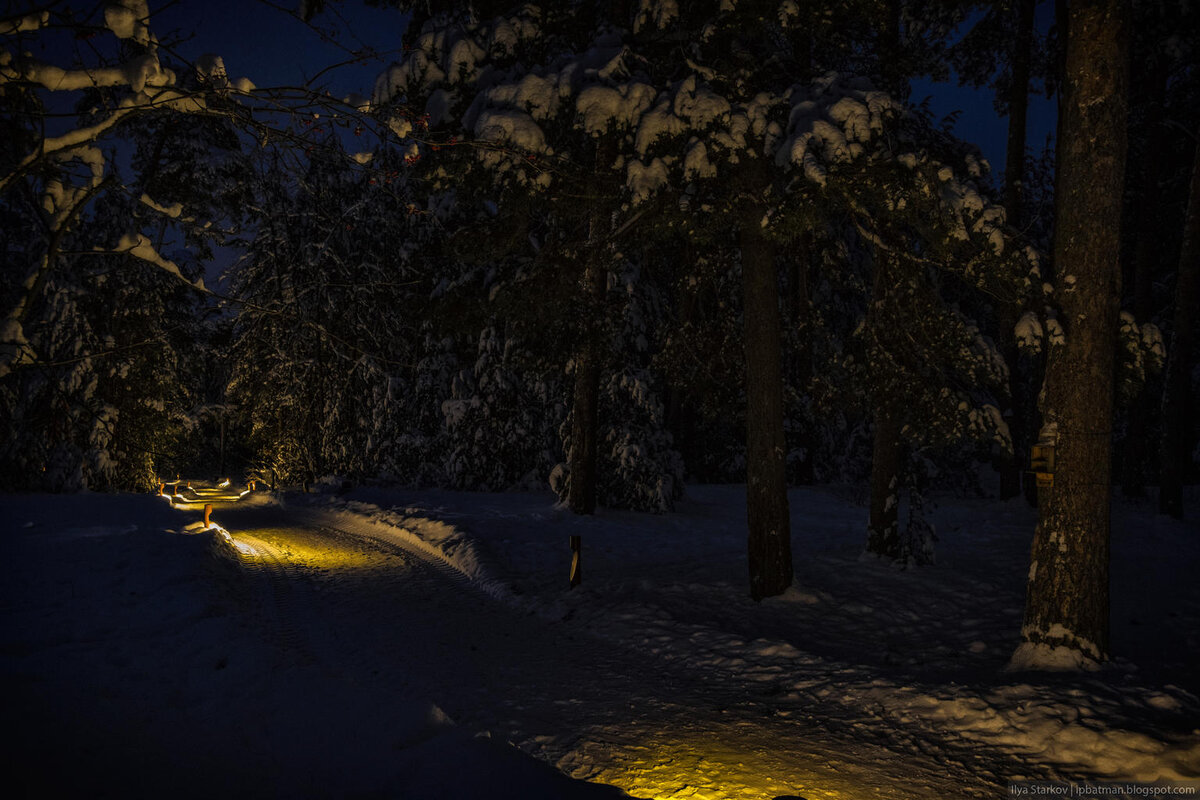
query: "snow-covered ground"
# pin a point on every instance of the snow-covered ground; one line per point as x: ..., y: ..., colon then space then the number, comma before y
x: 389, y: 643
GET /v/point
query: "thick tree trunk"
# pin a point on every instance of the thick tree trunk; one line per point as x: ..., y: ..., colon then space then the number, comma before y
x: 1177, y: 402
x: 1067, y: 592
x: 583, y: 458
x: 770, y: 544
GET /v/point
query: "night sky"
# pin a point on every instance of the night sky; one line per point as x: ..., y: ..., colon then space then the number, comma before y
x: 272, y: 48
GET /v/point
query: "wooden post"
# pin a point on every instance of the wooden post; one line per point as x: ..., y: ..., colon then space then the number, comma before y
x: 162, y: 489
x: 576, y: 567
x: 207, y: 514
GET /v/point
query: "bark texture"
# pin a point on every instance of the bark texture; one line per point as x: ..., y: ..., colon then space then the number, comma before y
x: 1177, y: 402
x: 1067, y: 592
x: 883, y: 527
x: 1012, y: 466
x: 769, y: 548
x: 883, y: 531
x: 1018, y: 107
x: 585, y: 412
x: 800, y: 361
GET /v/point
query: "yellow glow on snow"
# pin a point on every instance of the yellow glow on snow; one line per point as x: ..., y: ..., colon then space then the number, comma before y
x: 711, y: 766
x: 324, y: 557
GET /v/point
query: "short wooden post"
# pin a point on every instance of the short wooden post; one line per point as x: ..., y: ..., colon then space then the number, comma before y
x: 207, y: 514
x: 576, y: 566
x: 189, y: 484
x: 162, y: 488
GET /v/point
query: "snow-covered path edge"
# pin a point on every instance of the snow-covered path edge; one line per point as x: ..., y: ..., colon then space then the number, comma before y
x: 440, y: 542
x: 1084, y: 733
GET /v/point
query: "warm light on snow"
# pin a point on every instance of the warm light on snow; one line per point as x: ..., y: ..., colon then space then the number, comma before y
x: 708, y: 767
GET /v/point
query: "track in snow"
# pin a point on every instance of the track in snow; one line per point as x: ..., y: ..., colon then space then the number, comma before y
x: 366, y: 609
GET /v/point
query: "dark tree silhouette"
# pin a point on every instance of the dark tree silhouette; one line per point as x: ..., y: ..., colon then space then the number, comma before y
x: 1067, y: 594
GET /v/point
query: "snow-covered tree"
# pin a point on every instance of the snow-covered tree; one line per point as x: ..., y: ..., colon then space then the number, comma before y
x: 499, y: 420
x: 322, y: 328
x: 716, y: 127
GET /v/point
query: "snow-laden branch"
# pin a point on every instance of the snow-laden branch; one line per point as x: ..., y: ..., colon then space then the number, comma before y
x: 28, y: 22
x: 174, y: 210
x: 15, y: 349
x: 129, y: 19
x: 137, y: 73
x: 163, y: 97
x: 139, y: 246
x: 60, y: 198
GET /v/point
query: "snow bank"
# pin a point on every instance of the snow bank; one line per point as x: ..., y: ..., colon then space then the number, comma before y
x: 854, y: 639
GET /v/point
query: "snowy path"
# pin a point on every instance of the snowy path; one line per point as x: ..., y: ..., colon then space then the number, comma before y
x: 599, y: 709
x: 356, y: 646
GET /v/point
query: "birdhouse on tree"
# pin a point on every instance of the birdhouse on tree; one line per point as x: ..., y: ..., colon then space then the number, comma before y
x: 1041, y: 460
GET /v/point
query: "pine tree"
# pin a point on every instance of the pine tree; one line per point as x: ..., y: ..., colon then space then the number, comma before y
x: 1067, y: 598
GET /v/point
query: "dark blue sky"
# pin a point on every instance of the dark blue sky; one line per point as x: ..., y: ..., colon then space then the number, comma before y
x: 272, y: 48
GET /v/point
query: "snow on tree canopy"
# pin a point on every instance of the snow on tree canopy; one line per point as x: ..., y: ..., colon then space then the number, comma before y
x: 534, y: 94
x: 602, y: 107
x: 505, y: 33
x: 644, y: 179
x: 655, y: 14
x: 511, y: 127
x: 690, y: 106
x: 1029, y: 334
x: 696, y: 163
x: 832, y: 121
x: 128, y: 20
x: 29, y: 22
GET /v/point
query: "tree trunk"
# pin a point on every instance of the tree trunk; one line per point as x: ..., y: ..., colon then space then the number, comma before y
x: 585, y: 416
x: 769, y: 548
x: 1177, y: 405
x: 883, y: 528
x: 883, y: 531
x: 891, y: 51
x: 801, y: 362
x: 1018, y: 106
x: 1067, y: 592
x: 1011, y: 466
x: 1145, y: 262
